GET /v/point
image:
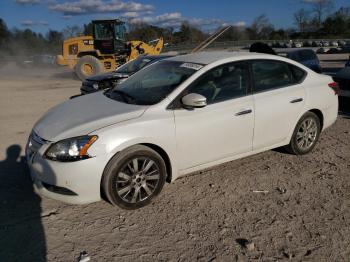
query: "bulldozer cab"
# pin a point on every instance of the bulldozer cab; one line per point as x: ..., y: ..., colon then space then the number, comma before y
x: 109, y: 36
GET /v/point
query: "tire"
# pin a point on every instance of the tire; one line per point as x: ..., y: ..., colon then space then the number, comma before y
x: 121, y: 183
x: 88, y: 66
x: 305, y: 135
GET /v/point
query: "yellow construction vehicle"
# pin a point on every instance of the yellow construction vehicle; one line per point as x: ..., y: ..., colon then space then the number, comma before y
x: 105, y: 50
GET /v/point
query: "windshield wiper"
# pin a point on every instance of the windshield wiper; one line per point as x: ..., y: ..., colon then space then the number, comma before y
x: 126, y: 97
x: 121, y: 75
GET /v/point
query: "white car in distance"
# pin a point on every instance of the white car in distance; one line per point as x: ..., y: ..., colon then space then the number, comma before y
x: 175, y: 117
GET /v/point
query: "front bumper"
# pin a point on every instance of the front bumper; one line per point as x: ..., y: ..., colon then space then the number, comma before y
x: 71, y: 182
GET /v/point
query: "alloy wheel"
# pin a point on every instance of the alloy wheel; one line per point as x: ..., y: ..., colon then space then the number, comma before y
x: 307, y: 134
x: 137, y: 180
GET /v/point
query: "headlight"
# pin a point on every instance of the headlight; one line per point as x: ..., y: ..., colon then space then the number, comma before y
x: 71, y: 149
x: 95, y: 85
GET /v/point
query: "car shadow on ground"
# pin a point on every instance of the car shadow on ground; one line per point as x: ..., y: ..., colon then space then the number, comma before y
x: 22, y: 235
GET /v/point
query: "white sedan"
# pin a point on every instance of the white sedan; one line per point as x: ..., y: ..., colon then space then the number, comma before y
x: 175, y: 117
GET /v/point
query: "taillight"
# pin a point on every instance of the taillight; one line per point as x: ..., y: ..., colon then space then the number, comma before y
x: 335, y: 87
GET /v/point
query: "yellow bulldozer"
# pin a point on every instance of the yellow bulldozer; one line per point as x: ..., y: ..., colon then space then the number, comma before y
x: 105, y: 50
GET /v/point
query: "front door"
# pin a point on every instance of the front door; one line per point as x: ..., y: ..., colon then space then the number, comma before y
x: 224, y: 127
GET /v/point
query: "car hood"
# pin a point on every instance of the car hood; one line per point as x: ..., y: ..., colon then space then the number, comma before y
x: 82, y: 115
x: 107, y: 76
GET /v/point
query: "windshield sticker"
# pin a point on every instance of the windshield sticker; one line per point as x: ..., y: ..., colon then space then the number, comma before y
x: 192, y: 66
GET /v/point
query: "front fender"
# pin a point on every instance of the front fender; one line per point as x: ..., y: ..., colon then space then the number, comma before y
x: 159, y: 132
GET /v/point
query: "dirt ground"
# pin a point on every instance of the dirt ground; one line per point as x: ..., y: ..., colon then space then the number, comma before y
x: 269, y: 207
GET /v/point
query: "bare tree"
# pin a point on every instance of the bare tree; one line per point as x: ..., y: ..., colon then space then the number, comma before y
x: 301, y: 19
x: 320, y: 8
x: 260, y: 28
x: 72, y: 31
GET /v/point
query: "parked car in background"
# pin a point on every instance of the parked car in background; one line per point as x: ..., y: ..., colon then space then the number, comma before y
x: 109, y: 80
x: 341, y: 43
x: 287, y: 45
x: 172, y: 118
x: 347, y: 64
x: 325, y: 43
x: 334, y: 50
x: 342, y: 77
x: 334, y: 44
x: 297, y: 44
x: 307, y: 43
x: 307, y: 57
x: 316, y: 44
x: 321, y: 51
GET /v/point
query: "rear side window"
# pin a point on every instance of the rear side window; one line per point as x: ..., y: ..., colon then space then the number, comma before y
x: 298, y: 74
x: 269, y: 74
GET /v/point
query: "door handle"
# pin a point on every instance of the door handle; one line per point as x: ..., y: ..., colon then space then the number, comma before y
x: 297, y: 100
x: 243, y: 112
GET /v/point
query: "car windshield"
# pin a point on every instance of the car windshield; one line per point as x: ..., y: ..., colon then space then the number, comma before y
x: 152, y: 84
x: 134, y: 65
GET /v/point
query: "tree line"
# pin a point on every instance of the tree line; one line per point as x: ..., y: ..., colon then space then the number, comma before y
x: 318, y: 21
x: 24, y: 42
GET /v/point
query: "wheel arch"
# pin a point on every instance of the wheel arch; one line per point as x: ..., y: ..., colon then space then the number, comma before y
x: 319, y: 114
x: 164, y: 156
x: 316, y: 111
x: 154, y: 147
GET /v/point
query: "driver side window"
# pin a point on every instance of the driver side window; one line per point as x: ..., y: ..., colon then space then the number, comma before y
x: 222, y: 83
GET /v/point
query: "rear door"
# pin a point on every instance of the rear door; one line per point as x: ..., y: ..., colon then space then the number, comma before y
x: 279, y: 99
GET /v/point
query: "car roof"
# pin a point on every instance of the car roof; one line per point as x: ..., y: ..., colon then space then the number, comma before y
x: 160, y: 56
x: 213, y: 56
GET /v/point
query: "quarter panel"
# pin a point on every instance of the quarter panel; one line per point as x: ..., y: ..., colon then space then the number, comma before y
x: 320, y: 96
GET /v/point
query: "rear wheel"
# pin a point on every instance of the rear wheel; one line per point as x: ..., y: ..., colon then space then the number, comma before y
x: 306, y: 134
x: 134, y: 177
x: 88, y: 66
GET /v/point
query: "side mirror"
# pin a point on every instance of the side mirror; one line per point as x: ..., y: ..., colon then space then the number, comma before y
x: 194, y: 100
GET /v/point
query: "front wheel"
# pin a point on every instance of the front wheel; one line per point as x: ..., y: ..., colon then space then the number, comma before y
x: 134, y: 177
x: 305, y: 135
